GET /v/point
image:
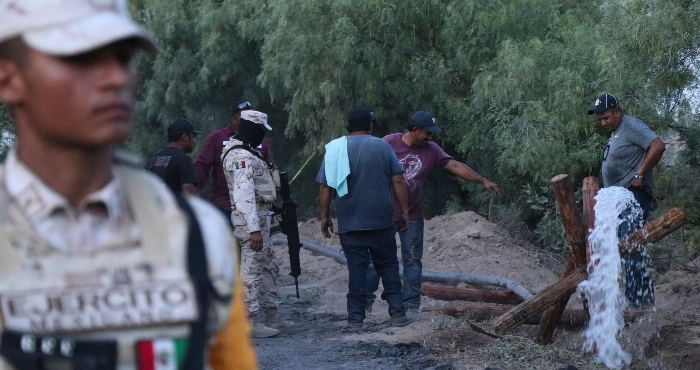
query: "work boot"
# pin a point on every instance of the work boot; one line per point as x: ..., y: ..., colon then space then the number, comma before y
x: 260, y: 330
x: 400, y: 321
x: 273, y: 320
x: 412, y: 310
x: 352, y: 327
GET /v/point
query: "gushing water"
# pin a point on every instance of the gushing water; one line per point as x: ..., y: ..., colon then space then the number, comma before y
x: 614, y: 205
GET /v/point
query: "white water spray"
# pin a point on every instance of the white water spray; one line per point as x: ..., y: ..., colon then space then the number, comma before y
x: 605, y: 300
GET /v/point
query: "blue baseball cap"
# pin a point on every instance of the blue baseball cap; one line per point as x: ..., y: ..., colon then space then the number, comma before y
x: 424, y: 120
x: 603, y: 103
x: 182, y: 126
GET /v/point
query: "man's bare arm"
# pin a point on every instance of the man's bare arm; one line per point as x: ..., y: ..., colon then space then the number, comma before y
x: 189, y: 189
x: 399, y: 185
x: 465, y: 172
x: 654, y: 152
x: 324, y: 194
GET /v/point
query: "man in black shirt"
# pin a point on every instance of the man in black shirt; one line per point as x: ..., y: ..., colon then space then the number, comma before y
x: 171, y: 163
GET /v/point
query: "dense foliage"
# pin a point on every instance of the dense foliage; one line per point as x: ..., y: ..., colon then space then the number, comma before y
x: 509, y: 81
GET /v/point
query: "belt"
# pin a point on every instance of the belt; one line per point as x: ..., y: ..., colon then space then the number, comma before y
x: 38, y: 352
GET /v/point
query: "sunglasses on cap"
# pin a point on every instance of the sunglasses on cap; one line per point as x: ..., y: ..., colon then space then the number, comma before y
x: 237, y: 107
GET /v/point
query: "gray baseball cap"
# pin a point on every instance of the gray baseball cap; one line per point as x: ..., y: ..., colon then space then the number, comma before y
x: 70, y: 27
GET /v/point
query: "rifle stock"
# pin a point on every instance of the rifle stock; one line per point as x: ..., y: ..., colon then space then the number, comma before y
x: 290, y: 228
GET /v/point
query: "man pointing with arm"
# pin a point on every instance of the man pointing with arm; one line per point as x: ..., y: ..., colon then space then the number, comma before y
x: 419, y: 156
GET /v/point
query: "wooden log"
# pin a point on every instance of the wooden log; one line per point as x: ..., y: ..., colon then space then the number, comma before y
x: 651, y: 232
x: 569, y: 318
x: 540, y: 302
x: 448, y: 293
x: 575, y: 235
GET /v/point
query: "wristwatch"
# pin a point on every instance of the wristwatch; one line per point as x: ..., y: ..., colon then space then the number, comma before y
x: 638, y: 176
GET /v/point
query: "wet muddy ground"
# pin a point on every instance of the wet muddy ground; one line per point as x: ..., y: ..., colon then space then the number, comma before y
x: 316, y: 342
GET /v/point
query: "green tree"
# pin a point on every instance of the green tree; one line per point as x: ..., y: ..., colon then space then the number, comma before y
x: 509, y: 81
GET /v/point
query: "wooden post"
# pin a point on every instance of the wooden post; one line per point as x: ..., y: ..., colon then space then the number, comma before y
x: 590, y: 190
x: 591, y: 186
x: 564, y: 195
x: 654, y: 231
x: 448, y: 293
x: 576, y: 236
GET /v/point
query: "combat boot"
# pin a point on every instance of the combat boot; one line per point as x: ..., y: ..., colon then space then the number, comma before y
x: 260, y: 330
x: 273, y: 320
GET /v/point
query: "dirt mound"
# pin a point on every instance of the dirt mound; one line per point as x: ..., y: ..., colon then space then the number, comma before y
x: 466, y: 243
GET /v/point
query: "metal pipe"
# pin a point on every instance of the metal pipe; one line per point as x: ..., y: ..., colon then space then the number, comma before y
x: 431, y: 276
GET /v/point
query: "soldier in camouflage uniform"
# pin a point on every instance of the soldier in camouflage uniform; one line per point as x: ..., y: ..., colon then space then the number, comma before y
x: 253, y: 193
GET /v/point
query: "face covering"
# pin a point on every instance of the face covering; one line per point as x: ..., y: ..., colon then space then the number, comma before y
x: 251, y: 133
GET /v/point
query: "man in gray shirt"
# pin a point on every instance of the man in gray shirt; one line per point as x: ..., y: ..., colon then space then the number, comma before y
x: 632, y: 152
x: 362, y: 171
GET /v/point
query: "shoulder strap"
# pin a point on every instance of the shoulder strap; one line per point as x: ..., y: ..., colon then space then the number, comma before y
x: 198, y: 269
x: 148, y: 210
x: 249, y: 149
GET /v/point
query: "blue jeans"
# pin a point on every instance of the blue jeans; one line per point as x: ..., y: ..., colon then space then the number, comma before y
x: 358, y: 246
x: 639, y: 289
x: 411, y: 256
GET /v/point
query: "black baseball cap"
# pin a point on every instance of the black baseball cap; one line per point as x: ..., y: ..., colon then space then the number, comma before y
x: 182, y: 126
x: 424, y: 120
x: 360, y: 115
x: 603, y: 103
x: 239, y: 106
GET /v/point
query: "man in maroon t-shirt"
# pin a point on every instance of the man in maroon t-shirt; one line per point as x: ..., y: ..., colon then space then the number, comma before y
x: 419, y: 156
x: 210, y: 157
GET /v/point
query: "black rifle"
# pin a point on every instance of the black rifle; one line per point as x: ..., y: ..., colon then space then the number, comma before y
x: 289, y: 227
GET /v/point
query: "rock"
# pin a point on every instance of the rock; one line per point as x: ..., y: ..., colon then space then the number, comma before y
x: 474, y: 233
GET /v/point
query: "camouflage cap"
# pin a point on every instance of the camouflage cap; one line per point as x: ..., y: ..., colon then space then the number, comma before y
x: 70, y: 27
x: 256, y: 117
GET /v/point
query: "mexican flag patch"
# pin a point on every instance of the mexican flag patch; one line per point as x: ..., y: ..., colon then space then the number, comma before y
x: 161, y: 354
x: 240, y: 165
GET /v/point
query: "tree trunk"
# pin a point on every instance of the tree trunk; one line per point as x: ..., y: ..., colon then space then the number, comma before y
x: 447, y: 293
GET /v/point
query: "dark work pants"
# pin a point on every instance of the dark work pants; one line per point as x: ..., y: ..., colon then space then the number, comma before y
x: 411, y: 256
x: 639, y: 289
x: 358, y: 246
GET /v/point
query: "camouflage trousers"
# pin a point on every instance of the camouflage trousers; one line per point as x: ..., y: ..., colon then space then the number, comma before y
x: 258, y: 271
